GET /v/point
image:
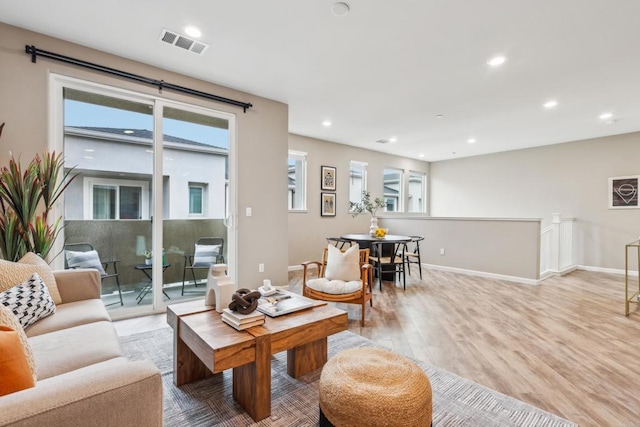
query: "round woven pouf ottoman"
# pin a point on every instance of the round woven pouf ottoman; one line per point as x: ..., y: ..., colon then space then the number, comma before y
x: 373, y: 387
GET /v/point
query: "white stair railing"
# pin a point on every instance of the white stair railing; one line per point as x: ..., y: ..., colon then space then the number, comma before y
x: 557, y: 247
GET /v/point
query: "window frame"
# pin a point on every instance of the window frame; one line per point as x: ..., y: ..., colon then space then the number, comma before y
x: 423, y: 191
x: 354, y: 164
x: 303, y: 157
x: 399, y: 198
x: 90, y: 182
x: 203, y: 197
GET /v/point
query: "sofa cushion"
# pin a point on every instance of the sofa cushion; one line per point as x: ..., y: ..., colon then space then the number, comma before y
x: 69, y: 315
x: 12, y: 273
x: 30, y: 301
x: 7, y: 318
x: 88, y: 259
x: 14, y: 367
x: 73, y: 348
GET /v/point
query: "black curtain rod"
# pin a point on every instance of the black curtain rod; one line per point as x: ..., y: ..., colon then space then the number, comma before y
x: 161, y: 84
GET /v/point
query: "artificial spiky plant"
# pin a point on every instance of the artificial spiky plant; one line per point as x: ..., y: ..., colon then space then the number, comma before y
x: 26, y: 200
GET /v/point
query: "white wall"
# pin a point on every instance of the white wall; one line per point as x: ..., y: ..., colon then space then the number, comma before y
x: 570, y: 178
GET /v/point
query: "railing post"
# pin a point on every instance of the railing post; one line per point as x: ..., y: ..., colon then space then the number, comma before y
x: 555, y: 238
x: 557, y: 246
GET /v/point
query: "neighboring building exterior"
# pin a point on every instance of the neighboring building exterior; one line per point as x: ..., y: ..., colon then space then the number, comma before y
x: 116, y: 172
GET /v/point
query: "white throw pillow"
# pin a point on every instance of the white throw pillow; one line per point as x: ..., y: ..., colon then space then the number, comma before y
x: 206, y: 254
x: 30, y: 301
x: 343, y: 265
x: 88, y: 259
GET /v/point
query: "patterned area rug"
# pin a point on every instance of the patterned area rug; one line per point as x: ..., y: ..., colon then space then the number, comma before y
x: 209, y: 402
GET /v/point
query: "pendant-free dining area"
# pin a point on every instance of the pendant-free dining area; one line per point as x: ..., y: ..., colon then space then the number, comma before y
x: 391, y: 256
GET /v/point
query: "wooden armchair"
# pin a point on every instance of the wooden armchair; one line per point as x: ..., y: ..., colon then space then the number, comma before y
x: 339, y: 278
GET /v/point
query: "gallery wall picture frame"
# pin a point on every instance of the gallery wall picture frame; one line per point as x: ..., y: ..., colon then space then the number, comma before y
x: 328, y: 178
x: 327, y: 204
x: 623, y: 192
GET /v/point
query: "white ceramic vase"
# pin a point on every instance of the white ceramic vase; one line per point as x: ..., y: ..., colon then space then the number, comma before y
x: 374, y: 225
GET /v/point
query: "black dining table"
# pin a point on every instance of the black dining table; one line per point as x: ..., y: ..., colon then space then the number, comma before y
x: 364, y: 240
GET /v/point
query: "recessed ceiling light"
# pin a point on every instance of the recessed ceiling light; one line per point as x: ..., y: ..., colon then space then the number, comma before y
x: 497, y: 61
x: 128, y: 132
x: 550, y: 104
x: 193, y: 32
x: 340, y: 9
x: 89, y: 150
x: 606, y: 116
x: 439, y: 116
x: 421, y: 155
x: 326, y: 123
x: 471, y: 140
x: 393, y: 139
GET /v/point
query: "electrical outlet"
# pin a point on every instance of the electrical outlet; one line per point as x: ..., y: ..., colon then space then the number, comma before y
x: 248, y: 212
x: 260, y: 268
x: 441, y: 251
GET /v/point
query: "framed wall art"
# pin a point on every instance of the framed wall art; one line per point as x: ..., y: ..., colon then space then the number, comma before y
x: 327, y: 204
x: 623, y: 192
x: 328, y: 178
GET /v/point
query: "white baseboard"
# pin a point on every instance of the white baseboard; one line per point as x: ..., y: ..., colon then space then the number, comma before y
x: 516, y: 279
x: 607, y: 270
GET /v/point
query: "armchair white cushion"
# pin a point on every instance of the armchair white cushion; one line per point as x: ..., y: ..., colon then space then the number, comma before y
x: 334, y: 287
x: 343, y: 265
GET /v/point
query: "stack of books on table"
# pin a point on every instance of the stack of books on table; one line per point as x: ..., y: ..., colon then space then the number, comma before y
x: 242, y: 321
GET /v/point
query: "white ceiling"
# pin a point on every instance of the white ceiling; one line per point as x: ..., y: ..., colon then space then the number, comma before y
x: 388, y: 68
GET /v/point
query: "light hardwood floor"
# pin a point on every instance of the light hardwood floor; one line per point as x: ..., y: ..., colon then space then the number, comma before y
x: 564, y: 346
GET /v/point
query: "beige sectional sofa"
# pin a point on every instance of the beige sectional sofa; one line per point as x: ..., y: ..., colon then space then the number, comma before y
x: 83, y: 378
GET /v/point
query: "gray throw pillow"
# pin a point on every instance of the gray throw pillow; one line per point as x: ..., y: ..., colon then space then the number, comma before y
x: 206, y: 254
x: 88, y: 259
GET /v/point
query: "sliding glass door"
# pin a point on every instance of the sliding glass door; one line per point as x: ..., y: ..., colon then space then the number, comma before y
x: 138, y: 158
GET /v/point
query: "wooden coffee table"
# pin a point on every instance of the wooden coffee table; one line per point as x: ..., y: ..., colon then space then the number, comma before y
x: 204, y: 345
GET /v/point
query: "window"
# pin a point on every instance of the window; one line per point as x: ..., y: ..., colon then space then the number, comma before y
x: 196, y: 199
x: 357, y: 180
x: 417, y: 192
x: 116, y: 199
x: 297, y: 172
x: 392, y: 189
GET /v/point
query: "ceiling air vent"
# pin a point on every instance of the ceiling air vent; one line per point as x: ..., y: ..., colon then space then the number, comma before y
x: 183, y: 42
x: 382, y: 141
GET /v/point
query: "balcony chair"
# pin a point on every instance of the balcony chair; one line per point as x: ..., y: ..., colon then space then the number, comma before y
x: 412, y: 255
x: 208, y: 251
x: 342, y: 276
x: 82, y: 255
x: 389, y: 257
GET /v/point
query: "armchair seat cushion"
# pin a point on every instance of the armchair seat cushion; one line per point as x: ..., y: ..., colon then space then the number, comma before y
x: 334, y: 287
